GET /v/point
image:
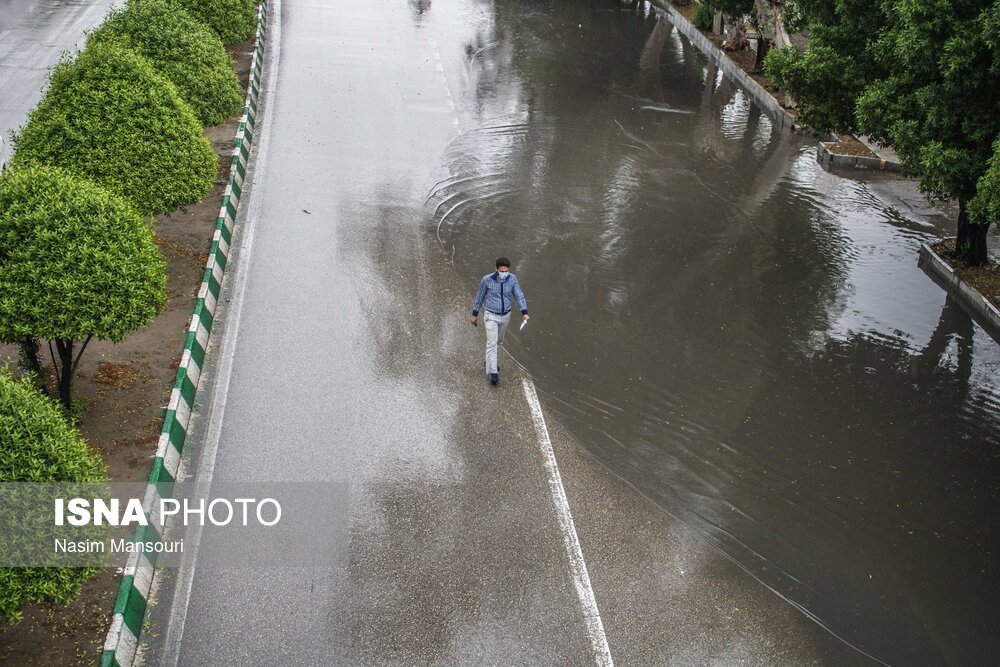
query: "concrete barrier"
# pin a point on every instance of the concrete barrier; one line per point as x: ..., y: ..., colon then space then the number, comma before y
x: 827, y: 158
x: 981, y: 310
x: 761, y: 97
x: 133, y: 592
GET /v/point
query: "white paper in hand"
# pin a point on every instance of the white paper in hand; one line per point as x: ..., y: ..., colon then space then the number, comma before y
x: 524, y: 323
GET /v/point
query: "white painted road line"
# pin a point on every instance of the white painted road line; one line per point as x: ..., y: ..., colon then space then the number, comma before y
x: 581, y: 579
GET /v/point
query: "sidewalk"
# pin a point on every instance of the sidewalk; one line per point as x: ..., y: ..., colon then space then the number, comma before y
x: 884, y: 152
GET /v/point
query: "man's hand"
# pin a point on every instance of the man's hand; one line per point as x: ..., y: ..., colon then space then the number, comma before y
x: 526, y: 318
x: 472, y: 321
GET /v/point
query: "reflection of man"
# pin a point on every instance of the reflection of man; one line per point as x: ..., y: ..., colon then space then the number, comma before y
x: 498, y: 290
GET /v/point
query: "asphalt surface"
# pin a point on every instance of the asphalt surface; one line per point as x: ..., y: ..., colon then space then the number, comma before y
x: 742, y: 336
x: 33, y: 35
x: 345, y: 355
x: 775, y: 433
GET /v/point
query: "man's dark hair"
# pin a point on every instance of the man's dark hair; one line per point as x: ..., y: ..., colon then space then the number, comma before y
x: 503, y: 261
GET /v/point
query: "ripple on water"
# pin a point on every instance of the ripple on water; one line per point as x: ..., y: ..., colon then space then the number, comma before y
x: 741, y: 335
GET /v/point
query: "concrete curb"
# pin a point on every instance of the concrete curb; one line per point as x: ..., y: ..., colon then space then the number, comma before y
x: 764, y: 99
x: 828, y: 159
x: 133, y: 591
x: 982, y: 311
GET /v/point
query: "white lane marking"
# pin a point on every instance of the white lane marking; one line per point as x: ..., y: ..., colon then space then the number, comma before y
x: 439, y: 66
x: 581, y: 579
x: 217, y: 403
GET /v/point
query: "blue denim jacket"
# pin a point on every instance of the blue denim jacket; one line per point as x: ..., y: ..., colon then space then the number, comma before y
x: 499, y: 295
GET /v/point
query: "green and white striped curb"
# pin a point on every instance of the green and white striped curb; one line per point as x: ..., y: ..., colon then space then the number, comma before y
x: 133, y: 592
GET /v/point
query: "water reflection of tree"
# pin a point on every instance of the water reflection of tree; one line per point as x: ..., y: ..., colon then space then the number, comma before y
x: 871, y: 505
x: 956, y: 326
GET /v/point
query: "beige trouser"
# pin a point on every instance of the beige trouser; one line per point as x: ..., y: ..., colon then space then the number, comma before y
x: 496, y: 327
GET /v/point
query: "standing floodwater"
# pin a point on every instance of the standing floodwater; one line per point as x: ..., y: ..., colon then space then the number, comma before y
x: 744, y: 337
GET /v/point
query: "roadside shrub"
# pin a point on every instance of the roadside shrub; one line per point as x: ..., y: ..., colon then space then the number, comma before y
x: 704, y: 16
x: 38, y: 445
x: 233, y: 20
x: 108, y: 115
x: 780, y: 64
x: 985, y: 206
x: 78, y: 263
x: 183, y: 49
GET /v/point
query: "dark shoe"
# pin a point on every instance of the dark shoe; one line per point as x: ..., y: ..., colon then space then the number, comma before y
x: 494, y: 378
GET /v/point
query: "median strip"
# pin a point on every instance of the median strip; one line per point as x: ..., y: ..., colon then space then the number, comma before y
x: 133, y: 593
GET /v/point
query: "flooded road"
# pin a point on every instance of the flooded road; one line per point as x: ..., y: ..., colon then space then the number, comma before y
x: 743, y: 337
x: 740, y: 336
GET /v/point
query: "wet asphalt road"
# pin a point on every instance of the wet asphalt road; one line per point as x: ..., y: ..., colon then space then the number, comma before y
x: 33, y: 34
x: 741, y: 335
x: 777, y: 436
x: 352, y: 361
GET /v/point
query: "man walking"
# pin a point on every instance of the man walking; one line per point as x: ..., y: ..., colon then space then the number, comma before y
x: 498, y: 290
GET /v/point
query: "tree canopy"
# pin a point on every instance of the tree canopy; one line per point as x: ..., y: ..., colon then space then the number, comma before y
x: 232, y: 20
x: 38, y: 445
x: 78, y: 263
x: 923, y: 77
x: 110, y: 116
x: 183, y: 49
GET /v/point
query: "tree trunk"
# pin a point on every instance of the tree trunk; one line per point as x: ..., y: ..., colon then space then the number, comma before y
x: 737, y: 34
x: 970, y: 246
x: 31, y: 364
x: 65, y: 370
x: 763, y: 46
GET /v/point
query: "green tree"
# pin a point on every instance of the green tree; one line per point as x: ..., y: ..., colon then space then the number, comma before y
x: 38, y: 445
x: 233, y: 20
x: 986, y: 204
x: 734, y: 10
x: 110, y: 116
x: 832, y: 73
x: 183, y: 49
x: 77, y: 263
x: 704, y: 16
x: 921, y: 76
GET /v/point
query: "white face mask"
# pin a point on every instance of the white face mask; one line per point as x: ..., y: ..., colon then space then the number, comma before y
x: 502, y: 275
